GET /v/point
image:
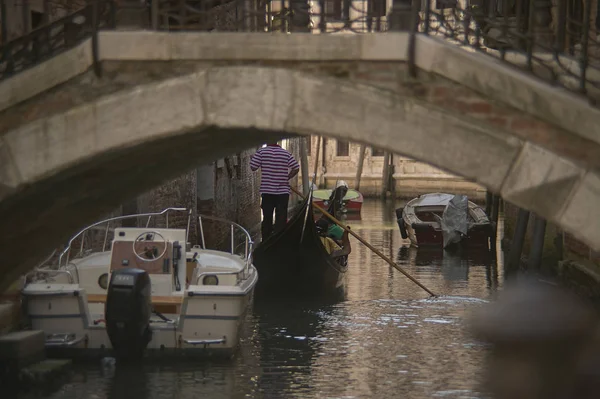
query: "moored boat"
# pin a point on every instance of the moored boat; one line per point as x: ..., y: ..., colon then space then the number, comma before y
x: 443, y: 220
x: 351, y: 202
x: 295, y: 261
x: 148, y: 292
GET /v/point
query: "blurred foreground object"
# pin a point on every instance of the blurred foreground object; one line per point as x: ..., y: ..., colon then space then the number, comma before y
x: 545, y: 344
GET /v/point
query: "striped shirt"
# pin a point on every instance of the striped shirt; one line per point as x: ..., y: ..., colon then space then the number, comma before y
x: 275, y: 164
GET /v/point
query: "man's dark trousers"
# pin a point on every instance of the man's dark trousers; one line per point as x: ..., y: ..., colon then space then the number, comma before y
x: 279, y: 203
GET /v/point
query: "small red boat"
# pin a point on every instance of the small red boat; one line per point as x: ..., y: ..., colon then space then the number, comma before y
x: 352, y: 201
x: 437, y: 220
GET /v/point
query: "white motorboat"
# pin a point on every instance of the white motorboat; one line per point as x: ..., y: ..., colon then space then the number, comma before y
x: 130, y: 292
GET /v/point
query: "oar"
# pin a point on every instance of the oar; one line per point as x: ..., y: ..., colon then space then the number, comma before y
x: 359, y: 238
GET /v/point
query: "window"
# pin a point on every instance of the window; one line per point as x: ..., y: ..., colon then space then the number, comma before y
x: 343, y: 148
x: 377, y: 8
x: 37, y: 19
x: 443, y: 4
x: 334, y: 10
x: 377, y: 152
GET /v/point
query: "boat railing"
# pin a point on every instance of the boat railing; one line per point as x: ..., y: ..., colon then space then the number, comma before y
x: 53, y: 272
x: 109, y: 226
x: 240, y: 241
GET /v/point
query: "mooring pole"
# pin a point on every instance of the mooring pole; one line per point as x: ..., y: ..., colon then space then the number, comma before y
x: 489, y: 197
x: 385, y: 177
x: 559, y: 240
x: 495, y: 209
x: 323, y: 162
x: 392, y: 182
x: 304, y: 165
x: 537, y: 243
x: 361, y: 161
x: 317, y: 153
x: 516, y: 247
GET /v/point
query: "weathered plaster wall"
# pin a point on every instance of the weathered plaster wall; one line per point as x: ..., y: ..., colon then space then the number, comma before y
x: 412, y: 178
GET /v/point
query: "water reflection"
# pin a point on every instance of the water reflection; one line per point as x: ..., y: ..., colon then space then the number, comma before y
x: 383, y: 338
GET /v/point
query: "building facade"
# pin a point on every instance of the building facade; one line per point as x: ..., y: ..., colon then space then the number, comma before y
x: 339, y: 160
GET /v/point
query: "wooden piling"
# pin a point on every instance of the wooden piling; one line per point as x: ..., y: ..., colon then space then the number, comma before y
x: 537, y: 244
x: 323, y: 162
x: 304, y: 165
x: 516, y: 247
x: 385, y: 174
x: 361, y: 161
x: 489, y: 197
x: 391, y: 181
x: 493, y: 215
x: 316, y: 171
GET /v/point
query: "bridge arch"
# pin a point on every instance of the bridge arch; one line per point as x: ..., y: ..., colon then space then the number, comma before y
x: 68, y: 169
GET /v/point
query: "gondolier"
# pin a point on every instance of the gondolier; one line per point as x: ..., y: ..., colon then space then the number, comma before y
x: 278, y: 166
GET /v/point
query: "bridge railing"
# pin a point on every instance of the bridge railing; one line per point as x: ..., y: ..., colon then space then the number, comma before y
x: 317, y: 16
x: 563, y: 52
x: 48, y: 41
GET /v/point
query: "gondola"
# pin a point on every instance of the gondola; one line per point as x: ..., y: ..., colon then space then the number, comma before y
x: 294, y: 261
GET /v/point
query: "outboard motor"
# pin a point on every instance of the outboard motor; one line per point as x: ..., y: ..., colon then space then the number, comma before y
x: 127, y: 312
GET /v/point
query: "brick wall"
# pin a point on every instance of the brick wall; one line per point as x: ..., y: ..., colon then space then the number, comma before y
x: 179, y: 192
x: 459, y: 100
x: 236, y: 195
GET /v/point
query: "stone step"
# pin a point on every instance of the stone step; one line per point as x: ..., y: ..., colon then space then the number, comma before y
x: 22, y: 348
x: 41, y: 374
x: 9, y: 316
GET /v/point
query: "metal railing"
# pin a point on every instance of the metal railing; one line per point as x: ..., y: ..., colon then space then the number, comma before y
x: 564, y: 51
x: 236, y: 231
x: 238, y: 238
x: 48, y: 41
x: 65, y: 256
x: 317, y: 16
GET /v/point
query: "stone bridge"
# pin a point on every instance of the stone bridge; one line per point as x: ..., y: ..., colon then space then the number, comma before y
x: 74, y: 146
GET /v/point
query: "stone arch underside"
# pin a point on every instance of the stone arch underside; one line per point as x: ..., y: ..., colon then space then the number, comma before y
x: 62, y: 172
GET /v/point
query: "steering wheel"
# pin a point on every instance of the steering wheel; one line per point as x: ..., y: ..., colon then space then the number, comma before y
x: 150, y: 251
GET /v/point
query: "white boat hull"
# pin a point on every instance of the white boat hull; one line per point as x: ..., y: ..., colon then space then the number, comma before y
x: 207, y: 322
x: 197, y: 298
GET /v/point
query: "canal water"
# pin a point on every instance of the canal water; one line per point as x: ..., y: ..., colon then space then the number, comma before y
x: 384, y: 339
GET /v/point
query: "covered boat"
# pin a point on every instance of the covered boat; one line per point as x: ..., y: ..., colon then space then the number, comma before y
x: 444, y: 220
x: 294, y: 260
x: 351, y: 202
x: 130, y: 292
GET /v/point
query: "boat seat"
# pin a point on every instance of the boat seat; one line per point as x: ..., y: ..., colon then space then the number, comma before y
x: 162, y: 304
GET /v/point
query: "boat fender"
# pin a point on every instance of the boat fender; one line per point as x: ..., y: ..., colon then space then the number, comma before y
x: 401, y: 225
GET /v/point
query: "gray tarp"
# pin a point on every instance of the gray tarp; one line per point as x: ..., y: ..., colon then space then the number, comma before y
x: 455, y: 220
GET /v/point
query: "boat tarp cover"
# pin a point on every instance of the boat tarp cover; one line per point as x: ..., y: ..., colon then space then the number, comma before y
x: 455, y: 220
